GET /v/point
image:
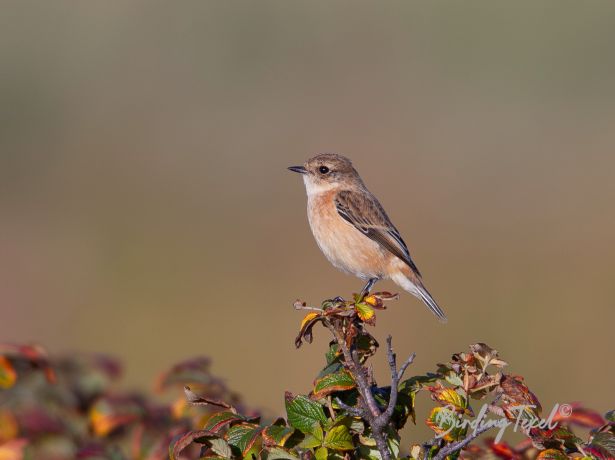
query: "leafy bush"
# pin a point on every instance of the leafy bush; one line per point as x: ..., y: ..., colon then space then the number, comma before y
x: 65, y: 408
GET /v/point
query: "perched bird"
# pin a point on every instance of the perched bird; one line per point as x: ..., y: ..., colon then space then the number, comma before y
x: 353, y: 230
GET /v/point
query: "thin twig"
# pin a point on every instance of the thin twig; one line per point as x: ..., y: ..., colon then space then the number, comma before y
x: 330, y: 407
x: 304, y: 307
x: 455, y: 446
x: 351, y: 410
x: 404, y: 366
x: 385, y: 418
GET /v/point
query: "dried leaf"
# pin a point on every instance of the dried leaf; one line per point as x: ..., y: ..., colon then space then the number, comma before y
x: 197, y: 400
x: 183, y: 441
x: 305, y: 331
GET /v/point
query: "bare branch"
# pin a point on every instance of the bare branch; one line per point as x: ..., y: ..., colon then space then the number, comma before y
x: 357, y: 371
x: 405, y: 365
x: 371, y: 412
x: 385, y: 417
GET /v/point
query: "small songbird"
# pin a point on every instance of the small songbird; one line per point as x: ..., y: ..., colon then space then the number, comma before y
x: 353, y: 230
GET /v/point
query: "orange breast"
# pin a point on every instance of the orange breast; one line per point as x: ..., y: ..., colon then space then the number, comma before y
x: 344, y: 246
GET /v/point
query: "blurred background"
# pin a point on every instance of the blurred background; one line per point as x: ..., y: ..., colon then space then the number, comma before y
x: 146, y: 210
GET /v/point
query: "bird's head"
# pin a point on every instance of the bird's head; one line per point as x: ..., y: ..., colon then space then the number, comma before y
x: 328, y: 171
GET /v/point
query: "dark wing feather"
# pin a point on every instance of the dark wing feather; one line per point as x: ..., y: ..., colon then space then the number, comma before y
x: 368, y: 216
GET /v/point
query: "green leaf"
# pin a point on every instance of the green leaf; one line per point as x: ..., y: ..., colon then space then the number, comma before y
x: 332, y: 354
x: 610, y: 416
x: 369, y: 453
x: 218, y: 420
x: 321, y: 453
x: 330, y: 369
x: 339, y: 438
x: 354, y: 424
x: 443, y: 421
x: 339, y: 381
x: 277, y: 434
x: 304, y: 414
x: 243, y: 436
x: 310, y: 441
x: 414, y: 384
x: 450, y: 397
x: 365, y: 312
x: 393, y: 441
x: 278, y: 453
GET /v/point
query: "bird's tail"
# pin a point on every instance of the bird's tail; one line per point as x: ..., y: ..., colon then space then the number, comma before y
x: 416, y: 288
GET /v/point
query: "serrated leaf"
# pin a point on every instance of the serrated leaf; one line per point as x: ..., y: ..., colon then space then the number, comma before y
x: 243, y: 436
x: 321, y: 453
x: 313, y: 440
x: 221, y: 447
x: 278, y: 453
x: 339, y: 438
x: 451, y: 398
x: 276, y: 435
x: 330, y: 383
x: 304, y: 414
x: 365, y: 312
x: 219, y: 420
x: 442, y: 420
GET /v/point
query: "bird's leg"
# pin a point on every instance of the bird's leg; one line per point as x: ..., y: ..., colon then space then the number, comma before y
x: 367, y: 287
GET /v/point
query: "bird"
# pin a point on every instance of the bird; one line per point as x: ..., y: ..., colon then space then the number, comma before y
x: 353, y: 230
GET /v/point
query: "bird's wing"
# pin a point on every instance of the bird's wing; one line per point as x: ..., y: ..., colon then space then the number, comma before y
x: 368, y: 216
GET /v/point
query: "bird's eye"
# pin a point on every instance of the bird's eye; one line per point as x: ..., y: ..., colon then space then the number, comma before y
x: 323, y: 170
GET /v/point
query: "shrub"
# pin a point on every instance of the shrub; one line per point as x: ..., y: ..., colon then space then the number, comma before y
x: 65, y: 408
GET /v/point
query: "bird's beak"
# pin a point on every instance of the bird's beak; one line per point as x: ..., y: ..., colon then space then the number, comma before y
x: 298, y: 169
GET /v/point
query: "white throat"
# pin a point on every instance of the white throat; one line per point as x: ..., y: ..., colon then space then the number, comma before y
x: 313, y: 188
